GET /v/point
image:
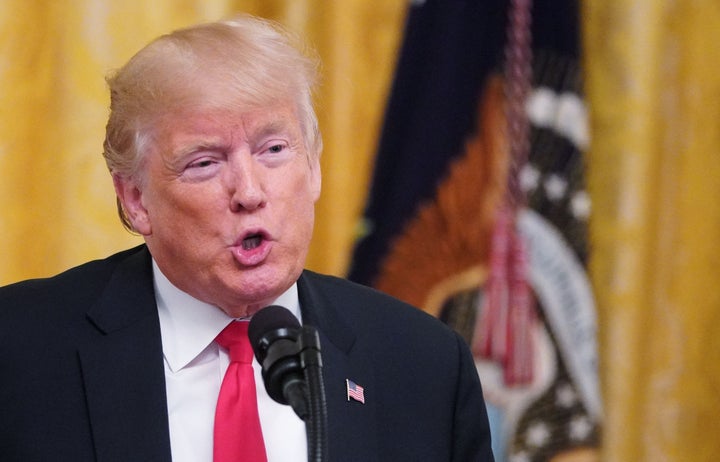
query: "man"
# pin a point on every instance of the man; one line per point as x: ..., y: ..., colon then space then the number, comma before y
x: 213, y: 147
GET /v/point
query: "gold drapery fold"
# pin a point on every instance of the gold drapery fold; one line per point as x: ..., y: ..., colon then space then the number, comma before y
x: 654, y: 93
x: 55, y: 192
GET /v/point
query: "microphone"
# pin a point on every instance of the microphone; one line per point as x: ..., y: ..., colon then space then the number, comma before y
x: 292, y: 370
x: 273, y: 334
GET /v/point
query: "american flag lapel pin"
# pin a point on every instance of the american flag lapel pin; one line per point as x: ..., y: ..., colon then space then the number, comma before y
x: 355, y: 391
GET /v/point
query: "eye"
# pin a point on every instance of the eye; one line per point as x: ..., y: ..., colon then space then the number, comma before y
x: 276, y: 148
x: 200, y: 169
x: 275, y: 152
x: 201, y: 163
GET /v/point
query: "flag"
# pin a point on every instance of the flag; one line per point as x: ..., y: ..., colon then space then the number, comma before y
x: 439, y: 186
x: 355, y: 391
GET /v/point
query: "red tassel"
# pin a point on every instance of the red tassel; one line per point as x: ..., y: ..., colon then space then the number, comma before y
x: 503, y: 327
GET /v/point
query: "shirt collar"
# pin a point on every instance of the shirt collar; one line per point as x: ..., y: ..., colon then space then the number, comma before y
x: 188, y: 326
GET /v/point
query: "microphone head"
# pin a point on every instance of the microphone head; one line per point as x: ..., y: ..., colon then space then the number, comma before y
x: 270, y: 324
x: 273, y: 333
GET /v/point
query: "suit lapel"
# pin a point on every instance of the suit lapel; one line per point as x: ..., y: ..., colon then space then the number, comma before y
x: 351, y: 424
x: 122, y: 367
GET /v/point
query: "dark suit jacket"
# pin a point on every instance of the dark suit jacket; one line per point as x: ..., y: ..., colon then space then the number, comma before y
x: 82, y: 377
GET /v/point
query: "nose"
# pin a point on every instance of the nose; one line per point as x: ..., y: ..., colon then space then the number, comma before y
x: 245, y: 185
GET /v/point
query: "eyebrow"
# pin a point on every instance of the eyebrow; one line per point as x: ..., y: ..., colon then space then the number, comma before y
x: 272, y: 127
x: 201, y: 144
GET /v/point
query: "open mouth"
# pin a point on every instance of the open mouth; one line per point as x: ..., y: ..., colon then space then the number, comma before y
x: 252, y: 248
x: 252, y: 241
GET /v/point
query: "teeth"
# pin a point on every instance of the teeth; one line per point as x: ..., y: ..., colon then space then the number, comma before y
x: 250, y: 243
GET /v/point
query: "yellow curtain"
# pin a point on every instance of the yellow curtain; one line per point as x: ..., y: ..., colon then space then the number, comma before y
x: 654, y: 94
x: 56, y: 196
x: 654, y: 90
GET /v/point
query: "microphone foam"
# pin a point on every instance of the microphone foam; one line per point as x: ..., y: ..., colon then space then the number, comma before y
x: 275, y: 320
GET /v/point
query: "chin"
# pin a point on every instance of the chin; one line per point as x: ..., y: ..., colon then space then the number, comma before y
x: 251, y: 291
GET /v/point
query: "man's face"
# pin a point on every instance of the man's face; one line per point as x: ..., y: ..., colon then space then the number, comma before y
x: 226, y: 205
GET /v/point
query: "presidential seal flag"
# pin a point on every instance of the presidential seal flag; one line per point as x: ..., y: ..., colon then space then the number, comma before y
x: 478, y: 211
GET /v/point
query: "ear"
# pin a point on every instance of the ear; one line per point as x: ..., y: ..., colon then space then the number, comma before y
x: 130, y: 195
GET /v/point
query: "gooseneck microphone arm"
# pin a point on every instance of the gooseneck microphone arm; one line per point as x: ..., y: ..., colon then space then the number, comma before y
x: 316, y: 425
x: 292, y: 370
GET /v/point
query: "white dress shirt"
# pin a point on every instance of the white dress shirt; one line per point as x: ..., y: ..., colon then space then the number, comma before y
x: 194, y: 368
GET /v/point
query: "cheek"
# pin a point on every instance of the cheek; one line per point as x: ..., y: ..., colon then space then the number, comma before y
x: 305, y: 192
x: 315, y: 179
x: 182, y: 211
x: 299, y: 209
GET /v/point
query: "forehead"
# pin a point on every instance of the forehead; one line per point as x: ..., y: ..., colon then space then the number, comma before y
x: 248, y: 123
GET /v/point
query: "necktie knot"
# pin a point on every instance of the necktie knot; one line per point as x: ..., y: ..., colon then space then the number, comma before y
x: 234, y: 338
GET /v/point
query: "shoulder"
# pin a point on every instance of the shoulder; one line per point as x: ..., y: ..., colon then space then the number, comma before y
x: 76, y: 286
x: 371, y: 312
x: 349, y: 296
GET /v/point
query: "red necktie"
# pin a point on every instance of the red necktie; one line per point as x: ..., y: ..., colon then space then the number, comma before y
x: 238, y: 436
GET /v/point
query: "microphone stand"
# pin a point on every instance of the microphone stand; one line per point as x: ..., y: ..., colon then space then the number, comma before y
x: 316, y: 422
x: 292, y: 371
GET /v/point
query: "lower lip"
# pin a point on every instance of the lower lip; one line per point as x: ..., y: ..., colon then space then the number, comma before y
x: 252, y: 257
